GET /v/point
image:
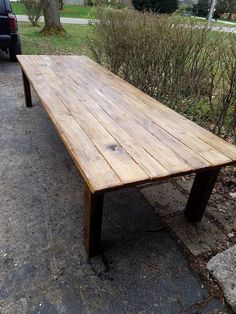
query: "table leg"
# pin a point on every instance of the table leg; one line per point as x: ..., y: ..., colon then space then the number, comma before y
x: 93, y: 208
x: 28, y: 98
x: 200, y: 193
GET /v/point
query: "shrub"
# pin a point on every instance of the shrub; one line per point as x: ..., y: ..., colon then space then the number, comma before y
x: 189, y: 68
x: 185, y: 9
x: 201, y: 8
x: 33, y: 10
x: 160, y: 6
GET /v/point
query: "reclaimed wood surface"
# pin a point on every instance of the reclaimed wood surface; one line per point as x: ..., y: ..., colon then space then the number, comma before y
x: 116, y: 134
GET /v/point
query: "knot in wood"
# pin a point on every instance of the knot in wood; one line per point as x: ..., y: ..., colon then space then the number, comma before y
x: 115, y: 148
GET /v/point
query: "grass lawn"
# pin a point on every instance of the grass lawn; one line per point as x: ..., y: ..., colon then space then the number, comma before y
x: 220, y: 23
x: 68, y: 11
x: 224, y: 20
x: 72, y: 42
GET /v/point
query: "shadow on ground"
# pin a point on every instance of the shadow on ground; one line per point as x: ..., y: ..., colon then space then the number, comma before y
x: 43, y: 266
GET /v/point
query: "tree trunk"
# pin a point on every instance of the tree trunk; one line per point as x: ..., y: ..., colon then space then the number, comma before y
x: 231, y: 7
x: 129, y: 3
x: 52, y: 17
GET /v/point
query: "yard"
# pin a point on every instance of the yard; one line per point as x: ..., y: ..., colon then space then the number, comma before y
x: 73, y: 11
x: 89, y: 12
x: 72, y: 42
x: 221, y: 23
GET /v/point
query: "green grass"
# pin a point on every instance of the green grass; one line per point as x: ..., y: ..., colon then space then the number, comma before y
x: 86, y: 12
x: 220, y: 23
x: 74, y: 11
x: 72, y: 42
x: 18, y: 8
x: 231, y: 21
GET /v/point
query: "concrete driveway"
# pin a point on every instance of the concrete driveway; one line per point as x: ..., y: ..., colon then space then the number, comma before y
x: 43, y: 265
x: 64, y: 20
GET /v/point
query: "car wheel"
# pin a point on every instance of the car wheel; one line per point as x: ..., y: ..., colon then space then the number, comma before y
x: 16, y: 50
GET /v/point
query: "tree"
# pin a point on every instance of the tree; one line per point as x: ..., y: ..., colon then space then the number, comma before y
x: 231, y: 7
x: 221, y: 8
x: 33, y: 9
x: 52, y: 17
x: 158, y: 6
x: 201, y: 8
x: 129, y: 4
x: 225, y: 6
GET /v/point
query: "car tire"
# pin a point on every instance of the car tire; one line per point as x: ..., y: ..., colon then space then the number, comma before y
x: 15, y: 50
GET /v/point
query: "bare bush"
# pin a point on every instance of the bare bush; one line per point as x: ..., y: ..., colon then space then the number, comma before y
x: 33, y: 10
x: 189, y: 68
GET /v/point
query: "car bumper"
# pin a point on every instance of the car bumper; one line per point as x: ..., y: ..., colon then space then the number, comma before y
x: 8, y: 41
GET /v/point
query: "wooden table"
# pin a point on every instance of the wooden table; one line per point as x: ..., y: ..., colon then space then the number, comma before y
x: 118, y: 136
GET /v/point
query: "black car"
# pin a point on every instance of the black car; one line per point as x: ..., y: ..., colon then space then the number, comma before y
x: 9, y: 37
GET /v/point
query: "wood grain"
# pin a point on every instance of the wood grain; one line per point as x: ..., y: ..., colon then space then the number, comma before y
x: 116, y: 134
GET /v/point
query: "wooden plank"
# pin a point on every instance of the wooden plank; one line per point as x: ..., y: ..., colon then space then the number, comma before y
x: 93, y: 167
x: 165, y: 157
x: 120, y: 122
x: 98, y: 86
x: 168, y: 158
x: 191, y: 158
x: 120, y: 161
x: 206, y: 136
x: 146, y: 161
x: 41, y: 88
x: 157, y: 115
